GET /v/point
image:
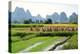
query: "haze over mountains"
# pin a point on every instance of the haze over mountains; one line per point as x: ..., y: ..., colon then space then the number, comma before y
x: 20, y: 15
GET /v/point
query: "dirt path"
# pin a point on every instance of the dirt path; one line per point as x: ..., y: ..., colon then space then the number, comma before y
x: 30, y: 47
x: 59, y: 45
x: 51, y: 46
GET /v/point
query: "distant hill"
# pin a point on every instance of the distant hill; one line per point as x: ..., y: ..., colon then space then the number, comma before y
x: 19, y: 15
x: 54, y: 17
x: 63, y: 18
x: 38, y: 17
x: 73, y: 18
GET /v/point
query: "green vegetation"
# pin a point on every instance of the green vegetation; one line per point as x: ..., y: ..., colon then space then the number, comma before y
x: 50, y: 41
x: 19, y: 36
x: 26, y: 35
x: 16, y: 38
x: 40, y: 25
x: 72, y: 43
x: 56, y: 34
x: 17, y: 46
x: 27, y: 25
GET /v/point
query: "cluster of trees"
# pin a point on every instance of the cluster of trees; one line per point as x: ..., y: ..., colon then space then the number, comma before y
x: 48, y: 21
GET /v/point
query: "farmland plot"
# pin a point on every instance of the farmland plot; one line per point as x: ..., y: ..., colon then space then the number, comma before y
x: 31, y: 38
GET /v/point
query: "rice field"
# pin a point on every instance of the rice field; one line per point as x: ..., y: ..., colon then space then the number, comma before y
x: 24, y: 36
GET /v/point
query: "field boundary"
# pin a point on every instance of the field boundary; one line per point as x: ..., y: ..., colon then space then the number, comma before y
x: 58, y: 44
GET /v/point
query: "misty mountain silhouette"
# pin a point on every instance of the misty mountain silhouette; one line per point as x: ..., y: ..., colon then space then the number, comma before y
x: 63, y: 18
x: 20, y: 15
x: 54, y: 17
x: 38, y: 17
x: 28, y: 15
x: 73, y: 18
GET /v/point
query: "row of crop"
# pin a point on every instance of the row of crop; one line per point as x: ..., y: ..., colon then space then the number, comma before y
x: 26, y: 25
x: 55, y: 34
x: 54, y: 28
x: 59, y: 33
x: 19, y: 36
x: 26, y: 36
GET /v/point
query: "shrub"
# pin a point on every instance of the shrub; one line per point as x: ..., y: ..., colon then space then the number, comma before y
x: 21, y: 34
x: 55, y: 34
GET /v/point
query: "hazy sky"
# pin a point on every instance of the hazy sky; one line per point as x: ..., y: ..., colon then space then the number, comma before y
x: 45, y: 8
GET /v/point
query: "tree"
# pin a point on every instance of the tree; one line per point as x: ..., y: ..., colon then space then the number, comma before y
x: 48, y: 21
x: 37, y: 21
x: 26, y: 22
x: 30, y: 21
x: 41, y: 21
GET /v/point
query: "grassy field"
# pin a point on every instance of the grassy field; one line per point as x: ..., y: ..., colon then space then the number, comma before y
x: 72, y: 43
x: 43, y: 27
x: 17, y: 46
x: 40, y: 25
x: 25, y: 35
x: 50, y: 41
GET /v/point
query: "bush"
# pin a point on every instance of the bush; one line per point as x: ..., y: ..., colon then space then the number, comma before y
x: 21, y: 34
x: 55, y: 34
